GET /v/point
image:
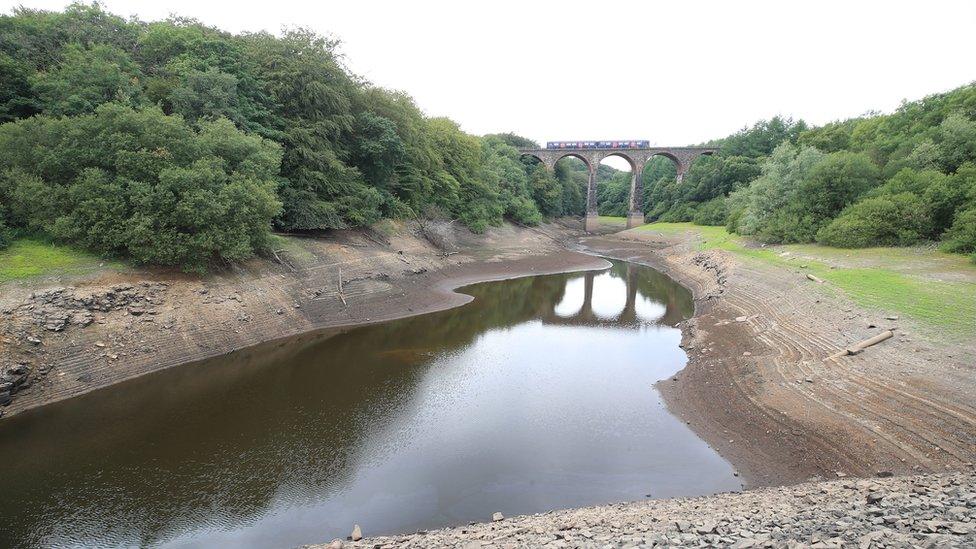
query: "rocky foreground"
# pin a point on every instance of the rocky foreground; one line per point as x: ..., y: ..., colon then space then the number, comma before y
x: 917, y: 511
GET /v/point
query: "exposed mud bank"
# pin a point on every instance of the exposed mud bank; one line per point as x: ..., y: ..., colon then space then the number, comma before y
x: 761, y: 386
x: 63, y: 341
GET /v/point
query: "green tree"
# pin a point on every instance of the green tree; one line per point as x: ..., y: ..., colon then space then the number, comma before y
x: 889, y: 220
x: 86, y: 78
x: 141, y: 184
x: 832, y: 184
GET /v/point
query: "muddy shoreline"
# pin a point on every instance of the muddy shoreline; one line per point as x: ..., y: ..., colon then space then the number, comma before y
x: 762, y: 388
x: 185, y: 322
x: 758, y: 386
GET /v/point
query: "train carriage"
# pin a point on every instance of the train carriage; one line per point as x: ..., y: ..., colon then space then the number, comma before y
x: 637, y: 144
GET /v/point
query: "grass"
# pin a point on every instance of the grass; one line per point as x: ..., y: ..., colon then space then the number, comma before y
x: 933, y: 287
x: 28, y: 258
x: 612, y: 220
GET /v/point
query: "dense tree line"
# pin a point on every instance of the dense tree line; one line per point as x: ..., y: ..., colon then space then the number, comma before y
x: 176, y: 143
x: 877, y: 180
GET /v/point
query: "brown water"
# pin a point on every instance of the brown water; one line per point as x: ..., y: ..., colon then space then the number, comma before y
x: 537, y: 395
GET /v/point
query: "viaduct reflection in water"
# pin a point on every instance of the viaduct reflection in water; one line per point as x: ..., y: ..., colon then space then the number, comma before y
x: 537, y: 395
x: 631, y: 296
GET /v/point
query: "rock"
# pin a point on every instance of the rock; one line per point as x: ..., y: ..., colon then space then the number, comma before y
x: 875, y: 497
x: 336, y: 544
x: 496, y: 517
x: 33, y: 340
x: 707, y: 528
x: 357, y: 533
x: 961, y: 528
x: 5, y: 398
x: 100, y: 344
x: 741, y: 318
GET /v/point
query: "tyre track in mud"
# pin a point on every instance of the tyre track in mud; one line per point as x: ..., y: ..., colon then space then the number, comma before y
x: 857, y: 414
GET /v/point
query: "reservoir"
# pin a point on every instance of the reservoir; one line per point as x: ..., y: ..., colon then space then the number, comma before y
x: 537, y: 395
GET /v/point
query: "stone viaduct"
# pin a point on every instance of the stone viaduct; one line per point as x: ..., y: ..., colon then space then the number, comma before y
x: 638, y: 158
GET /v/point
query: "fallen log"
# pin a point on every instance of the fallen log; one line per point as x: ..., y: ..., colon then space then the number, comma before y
x: 815, y: 279
x: 341, y: 296
x: 857, y: 348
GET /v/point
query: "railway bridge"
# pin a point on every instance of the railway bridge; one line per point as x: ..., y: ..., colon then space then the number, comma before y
x: 637, y: 157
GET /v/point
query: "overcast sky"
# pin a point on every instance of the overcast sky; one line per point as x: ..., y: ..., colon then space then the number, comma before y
x: 673, y: 72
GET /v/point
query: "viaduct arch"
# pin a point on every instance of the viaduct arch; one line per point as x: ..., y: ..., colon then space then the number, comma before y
x: 638, y: 158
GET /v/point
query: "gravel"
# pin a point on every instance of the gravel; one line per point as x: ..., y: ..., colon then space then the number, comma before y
x: 917, y: 511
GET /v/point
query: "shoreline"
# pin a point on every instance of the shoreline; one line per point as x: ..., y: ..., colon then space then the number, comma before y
x: 761, y: 385
x: 78, y: 363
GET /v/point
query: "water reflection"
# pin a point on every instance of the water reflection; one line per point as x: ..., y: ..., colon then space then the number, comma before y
x: 620, y: 302
x: 518, y: 402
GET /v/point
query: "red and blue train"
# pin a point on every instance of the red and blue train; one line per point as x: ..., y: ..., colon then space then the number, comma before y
x: 597, y: 144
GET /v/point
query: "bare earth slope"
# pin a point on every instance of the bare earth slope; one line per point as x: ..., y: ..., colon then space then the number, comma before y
x: 762, y: 388
x: 59, y: 341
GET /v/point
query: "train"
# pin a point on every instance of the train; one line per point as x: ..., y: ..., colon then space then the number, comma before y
x: 638, y: 144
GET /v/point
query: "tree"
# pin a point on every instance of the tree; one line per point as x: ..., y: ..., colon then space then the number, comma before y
x: 206, y: 95
x: 890, y: 220
x: 378, y: 149
x: 141, y: 184
x: 833, y: 183
x: 86, y: 78
x: 768, y: 207
x: 958, y: 141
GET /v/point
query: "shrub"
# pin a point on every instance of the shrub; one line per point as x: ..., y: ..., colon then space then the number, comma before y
x: 140, y: 184
x: 961, y: 236
x: 6, y: 235
x: 890, y: 220
x: 679, y: 213
x: 834, y: 183
x: 713, y: 212
x: 523, y: 210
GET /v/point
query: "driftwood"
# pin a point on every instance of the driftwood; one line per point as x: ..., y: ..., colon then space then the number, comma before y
x: 281, y: 261
x: 860, y: 346
x: 341, y: 296
x: 815, y: 279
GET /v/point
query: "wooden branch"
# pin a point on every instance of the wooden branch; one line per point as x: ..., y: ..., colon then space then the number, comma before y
x: 342, y: 297
x: 857, y: 348
x: 283, y: 262
x: 815, y: 279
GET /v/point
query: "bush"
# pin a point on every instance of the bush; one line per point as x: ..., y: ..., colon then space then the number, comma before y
x: 713, y: 212
x: 523, y: 210
x: 834, y: 183
x: 679, y: 213
x: 891, y: 220
x: 961, y: 236
x: 140, y: 184
x: 6, y: 235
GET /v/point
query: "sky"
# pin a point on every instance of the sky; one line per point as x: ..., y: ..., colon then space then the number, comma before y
x: 674, y: 73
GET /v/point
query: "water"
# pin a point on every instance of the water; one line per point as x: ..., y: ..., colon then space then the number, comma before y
x: 537, y: 395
